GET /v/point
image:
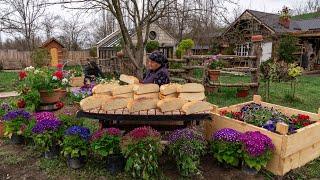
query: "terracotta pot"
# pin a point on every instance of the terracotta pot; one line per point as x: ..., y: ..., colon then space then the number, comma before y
x: 1, y: 128
x: 63, y: 93
x: 50, y: 97
x: 257, y: 38
x: 77, y: 81
x: 242, y: 93
x: 214, y: 75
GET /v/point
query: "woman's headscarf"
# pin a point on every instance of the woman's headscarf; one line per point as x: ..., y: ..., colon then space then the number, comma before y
x: 159, y: 58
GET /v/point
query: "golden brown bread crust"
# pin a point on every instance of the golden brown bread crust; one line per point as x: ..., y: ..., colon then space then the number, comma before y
x: 93, y: 102
x: 190, y: 87
x: 115, y: 103
x: 104, y: 88
x: 146, y: 88
x: 129, y: 79
x: 174, y: 95
x: 123, y: 89
x: 167, y: 89
x: 171, y: 104
x: 149, y: 95
x: 193, y: 96
x: 142, y: 104
x: 196, y: 106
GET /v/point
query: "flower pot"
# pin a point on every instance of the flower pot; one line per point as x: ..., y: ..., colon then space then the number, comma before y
x: 248, y: 170
x: 17, y: 139
x: 52, y: 152
x: 75, y: 163
x: 50, y: 97
x: 63, y: 93
x: 77, y: 81
x: 115, y: 163
x: 29, y: 141
x: 1, y: 128
x: 242, y: 93
x: 214, y: 75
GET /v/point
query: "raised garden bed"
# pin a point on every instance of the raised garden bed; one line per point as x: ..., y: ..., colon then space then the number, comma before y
x: 291, y: 151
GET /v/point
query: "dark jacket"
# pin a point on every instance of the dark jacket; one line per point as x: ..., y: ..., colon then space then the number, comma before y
x: 159, y: 76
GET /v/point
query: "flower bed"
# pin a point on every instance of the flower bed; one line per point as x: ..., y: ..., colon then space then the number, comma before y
x: 293, y: 149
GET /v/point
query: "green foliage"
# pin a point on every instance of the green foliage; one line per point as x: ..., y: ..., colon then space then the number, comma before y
x: 228, y: 51
x: 307, y: 16
x: 93, y: 52
x: 70, y: 120
x: 287, y: 47
x: 142, y: 157
x: 27, y: 133
x: 215, y: 48
x: 15, y: 126
x: 227, y: 152
x: 32, y: 99
x: 106, y: 145
x: 215, y: 64
x: 152, y: 46
x: 259, y: 161
x: 47, y: 140
x: 186, y: 44
x: 74, y: 146
x: 40, y: 57
x: 187, y: 154
x: 179, y: 53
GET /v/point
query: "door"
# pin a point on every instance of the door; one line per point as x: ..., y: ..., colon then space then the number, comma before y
x: 266, y: 51
x: 54, y: 56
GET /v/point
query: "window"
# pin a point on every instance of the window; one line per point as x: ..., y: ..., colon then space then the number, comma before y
x: 243, y: 49
x: 152, y: 35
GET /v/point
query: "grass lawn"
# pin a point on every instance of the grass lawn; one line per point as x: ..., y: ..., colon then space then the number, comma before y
x: 7, y: 81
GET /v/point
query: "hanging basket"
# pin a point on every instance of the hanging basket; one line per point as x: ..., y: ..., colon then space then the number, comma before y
x: 47, y: 97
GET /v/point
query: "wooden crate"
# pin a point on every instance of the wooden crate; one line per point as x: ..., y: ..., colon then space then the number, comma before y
x: 291, y: 151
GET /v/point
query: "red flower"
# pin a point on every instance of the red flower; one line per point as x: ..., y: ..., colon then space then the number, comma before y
x: 294, y: 120
x: 21, y: 103
x: 223, y: 112
x: 59, y: 105
x: 306, y: 124
x: 22, y: 75
x: 60, y: 66
x: 303, y: 117
x: 58, y: 74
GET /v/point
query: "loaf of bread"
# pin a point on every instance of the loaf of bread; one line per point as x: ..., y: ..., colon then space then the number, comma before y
x: 142, y: 104
x: 93, y: 102
x: 127, y: 95
x: 171, y: 104
x: 148, y: 95
x: 167, y: 89
x: 192, y: 96
x: 122, y: 89
x: 146, y: 88
x: 106, y: 88
x: 116, y: 103
x: 129, y: 79
x: 174, y: 95
x: 190, y: 87
x: 196, y: 106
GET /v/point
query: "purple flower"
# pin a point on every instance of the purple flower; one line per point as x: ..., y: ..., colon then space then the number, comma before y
x: 185, y: 134
x: 40, y: 116
x: 20, y: 113
x: 255, y: 143
x: 227, y: 134
x: 109, y: 131
x: 113, y: 131
x: 46, y: 125
x: 80, y: 131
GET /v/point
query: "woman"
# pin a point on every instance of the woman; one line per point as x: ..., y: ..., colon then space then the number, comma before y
x: 157, y: 69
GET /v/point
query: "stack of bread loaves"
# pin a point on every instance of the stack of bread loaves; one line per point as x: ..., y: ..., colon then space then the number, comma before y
x: 145, y: 97
x: 129, y: 79
x: 169, y: 91
x: 191, y: 92
x: 121, y: 97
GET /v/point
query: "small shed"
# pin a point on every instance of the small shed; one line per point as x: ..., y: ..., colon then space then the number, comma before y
x: 55, y: 49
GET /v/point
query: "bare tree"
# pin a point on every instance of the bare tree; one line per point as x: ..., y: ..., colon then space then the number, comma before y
x: 22, y: 17
x: 49, y: 24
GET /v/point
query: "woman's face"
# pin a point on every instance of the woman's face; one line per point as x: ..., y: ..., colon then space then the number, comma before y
x: 152, y: 65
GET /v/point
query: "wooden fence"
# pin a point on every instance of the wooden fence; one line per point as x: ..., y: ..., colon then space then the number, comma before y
x: 14, y: 59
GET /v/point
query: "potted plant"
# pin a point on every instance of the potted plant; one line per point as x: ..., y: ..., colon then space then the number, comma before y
x: 75, y: 146
x: 243, y: 92
x: 142, y: 148
x: 187, y: 146
x: 152, y: 46
x: 4, y: 108
x: 47, y: 135
x: 78, y: 94
x: 257, y: 151
x: 15, y: 122
x: 45, y: 85
x: 106, y: 143
x: 77, y: 77
x: 226, y: 146
x: 185, y: 46
x: 214, y: 71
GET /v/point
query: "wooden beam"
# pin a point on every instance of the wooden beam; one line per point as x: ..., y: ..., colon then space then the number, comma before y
x: 177, y: 60
x: 193, y: 79
x: 176, y: 70
x: 193, y: 67
x: 175, y: 79
x: 240, y: 69
x: 233, y: 85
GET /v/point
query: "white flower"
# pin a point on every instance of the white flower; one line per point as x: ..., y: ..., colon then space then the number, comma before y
x: 37, y: 71
x: 54, y: 78
x: 30, y: 68
x: 65, y: 81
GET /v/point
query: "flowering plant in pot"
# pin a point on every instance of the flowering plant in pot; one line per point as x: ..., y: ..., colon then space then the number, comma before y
x: 15, y: 122
x: 257, y: 151
x: 187, y: 146
x: 42, y: 84
x: 226, y: 146
x: 214, y: 67
x: 4, y: 109
x: 142, y: 148
x: 242, y: 92
x: 75, y: 146
x: 76, y: 77
x: 80, y: 93
x: 106, y: 143
x: 47, y: 135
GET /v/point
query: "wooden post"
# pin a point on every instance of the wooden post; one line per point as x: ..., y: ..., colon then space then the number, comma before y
x: 189, y: 71
x: 257, y: 99
x: 282, y: 128
x: 258, y: 53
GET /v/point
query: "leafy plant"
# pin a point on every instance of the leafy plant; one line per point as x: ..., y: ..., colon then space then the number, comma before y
x: 40, y: 57
x: 106, y: 142
x: 186, y: 44
x: 15, y: 122
x: 287, y: 48
x: 75, y: 143
x: 142, y: 149
x: 152, y: 46
x: 216, y: 64
x: 226, y: 146
x: 187, y: 146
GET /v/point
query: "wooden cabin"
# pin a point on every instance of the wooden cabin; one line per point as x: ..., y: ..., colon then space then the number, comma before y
x: 55, y: 49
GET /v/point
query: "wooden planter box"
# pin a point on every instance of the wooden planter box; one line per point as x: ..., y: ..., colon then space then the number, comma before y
x: 291, y: 151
